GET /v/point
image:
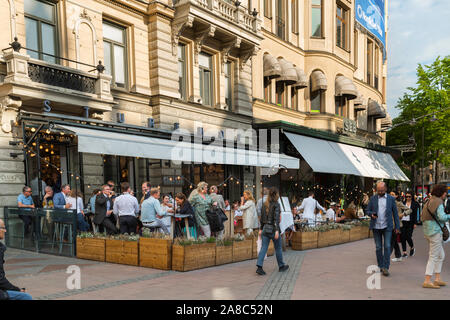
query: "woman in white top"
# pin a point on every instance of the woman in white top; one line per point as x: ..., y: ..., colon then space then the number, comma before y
x: 167, y: 207
x: 76, y: 200
x: 249, y: 216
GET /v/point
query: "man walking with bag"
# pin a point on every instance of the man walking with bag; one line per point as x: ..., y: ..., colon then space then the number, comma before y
x: 383, y: 213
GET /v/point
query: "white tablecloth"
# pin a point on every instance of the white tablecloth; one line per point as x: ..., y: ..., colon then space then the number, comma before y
x: 287, y: 221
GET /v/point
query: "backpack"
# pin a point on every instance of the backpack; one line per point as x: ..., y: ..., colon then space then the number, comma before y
x: 215, y: 219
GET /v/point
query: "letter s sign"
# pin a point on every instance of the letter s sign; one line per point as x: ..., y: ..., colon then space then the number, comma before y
x: 47, y: 107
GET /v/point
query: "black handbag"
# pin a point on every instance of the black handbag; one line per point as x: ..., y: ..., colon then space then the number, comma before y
x: 3, y: 295
x: 268, y: 230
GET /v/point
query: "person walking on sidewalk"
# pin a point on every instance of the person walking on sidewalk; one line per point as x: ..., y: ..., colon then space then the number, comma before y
x: 270, y: 230
x: 383, y: 213
x: 396, y: 238
x: 434, y: 217
x: 409, y: 223
x: 8, y: 290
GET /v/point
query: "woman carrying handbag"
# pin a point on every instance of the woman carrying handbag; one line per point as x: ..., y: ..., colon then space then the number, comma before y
x: 270, y: 230
x: 435, y: 231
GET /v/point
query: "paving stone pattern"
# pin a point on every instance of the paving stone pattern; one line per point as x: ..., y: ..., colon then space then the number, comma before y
x: 103, y: 286
x: 280, y: 285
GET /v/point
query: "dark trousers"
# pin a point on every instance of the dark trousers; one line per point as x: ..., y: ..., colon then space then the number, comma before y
x: 394, y: 246
x: 407, y: 231
x: 383, y: 239
x: 27, y: 222
x: 82, y: 224
x: 109, y: 226
x: 128, y: 224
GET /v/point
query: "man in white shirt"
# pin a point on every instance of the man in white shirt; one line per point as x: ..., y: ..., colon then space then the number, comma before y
x: 309, y: 205
x: 126, y: 207
x: 331, y: 214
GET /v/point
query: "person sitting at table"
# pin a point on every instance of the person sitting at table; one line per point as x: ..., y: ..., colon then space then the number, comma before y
x: 25, y: 200
x: 350, y: 212
x: 76, y: 201
x: 151, y: 212
x: 184, y: 208
x: 47, y: 201
x: 60, y: 199
x: 167, y: 207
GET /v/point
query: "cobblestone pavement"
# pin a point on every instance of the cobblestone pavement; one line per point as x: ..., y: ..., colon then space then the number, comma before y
x: 337, y: 272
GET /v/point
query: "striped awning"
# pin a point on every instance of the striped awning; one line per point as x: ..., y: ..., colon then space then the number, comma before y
x: 272, y: 68
x: 318, y: 81
x: 345, y: 87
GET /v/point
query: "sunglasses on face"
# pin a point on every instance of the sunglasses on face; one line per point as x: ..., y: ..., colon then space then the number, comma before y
x: 408, y: 196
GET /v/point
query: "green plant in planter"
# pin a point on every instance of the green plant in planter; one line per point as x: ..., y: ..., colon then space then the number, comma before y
x: 146, y: 233
x: 183, y: 242
x: 238, y: 237
x: 365, y: 223
x: 227, y: 241
x: 91, y: 235
x: 85, y: 235
x: 211, y: 240
x: 125, y: 237
x: 346, y: 227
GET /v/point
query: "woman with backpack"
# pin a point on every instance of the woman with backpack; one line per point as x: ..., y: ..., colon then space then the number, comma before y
x: 270, y: 230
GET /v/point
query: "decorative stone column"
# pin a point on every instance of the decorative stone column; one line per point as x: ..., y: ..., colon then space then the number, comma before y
x: 16, y: 67
x: 12, y: 172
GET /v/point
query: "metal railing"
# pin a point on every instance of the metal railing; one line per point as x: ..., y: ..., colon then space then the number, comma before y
x: 52, y: 231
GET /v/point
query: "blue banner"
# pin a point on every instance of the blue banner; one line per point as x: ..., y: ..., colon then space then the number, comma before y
x: 370, y: 14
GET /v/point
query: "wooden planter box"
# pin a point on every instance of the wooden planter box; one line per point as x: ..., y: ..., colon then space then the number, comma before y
x: 254, y: 248
x: 365, y: 232
x: 304, y: 240
x: 224, y: 255
x: 355, y: 233
x: 329, y: 238
x: 344, y: 236
x: 242, y: 250
x: 195, y: 256
x: 91, y: 249
x: 271, y: 249
x: 122, y: 252
x: 155, y: 253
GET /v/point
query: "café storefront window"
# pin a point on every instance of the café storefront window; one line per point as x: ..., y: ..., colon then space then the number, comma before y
x: 52, y: 159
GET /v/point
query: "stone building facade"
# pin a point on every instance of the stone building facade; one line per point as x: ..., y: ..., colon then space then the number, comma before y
x: 196, y: 65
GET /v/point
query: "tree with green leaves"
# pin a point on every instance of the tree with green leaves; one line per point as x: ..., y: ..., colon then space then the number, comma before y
x: 431, y: 95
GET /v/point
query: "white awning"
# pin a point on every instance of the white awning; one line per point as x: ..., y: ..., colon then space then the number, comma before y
x: 131, y: 145
x: 333, y: 157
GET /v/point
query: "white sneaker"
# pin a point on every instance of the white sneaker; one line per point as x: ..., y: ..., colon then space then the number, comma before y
x: 397, y: 259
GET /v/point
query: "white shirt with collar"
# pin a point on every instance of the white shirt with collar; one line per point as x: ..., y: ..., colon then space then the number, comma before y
x: 381, y: 222
x: 309, y: 205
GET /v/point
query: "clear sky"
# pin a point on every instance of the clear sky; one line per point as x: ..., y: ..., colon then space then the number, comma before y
x: 418, y: 32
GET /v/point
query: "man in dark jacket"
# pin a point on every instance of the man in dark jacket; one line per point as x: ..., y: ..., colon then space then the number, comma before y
x: 12, y: 292
x: 383, y: 213
x: 104, y: 210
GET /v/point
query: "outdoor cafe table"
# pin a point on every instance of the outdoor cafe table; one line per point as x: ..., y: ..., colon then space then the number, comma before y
x: 186, y: 222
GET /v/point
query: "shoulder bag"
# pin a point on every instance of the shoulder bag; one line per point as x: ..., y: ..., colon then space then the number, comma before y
x: 268, y: 228
x: 445, y: 233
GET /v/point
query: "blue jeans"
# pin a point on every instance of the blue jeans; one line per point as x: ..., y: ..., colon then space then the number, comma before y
x: 82, y: 224
x: 383, y: 257
x: 18, y: 295
x: 265, y: 246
